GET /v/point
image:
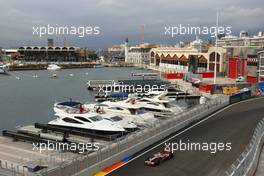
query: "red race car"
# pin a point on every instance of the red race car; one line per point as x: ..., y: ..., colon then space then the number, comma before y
x: 157, y: 158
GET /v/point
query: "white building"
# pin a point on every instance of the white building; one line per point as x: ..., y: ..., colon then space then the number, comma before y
x: 138, y: 55
x: 197, y: 44
x: 261, y: 66
x: 242, y: 41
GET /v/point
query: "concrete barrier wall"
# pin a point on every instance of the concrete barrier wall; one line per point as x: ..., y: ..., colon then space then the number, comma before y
x: 247, y: 163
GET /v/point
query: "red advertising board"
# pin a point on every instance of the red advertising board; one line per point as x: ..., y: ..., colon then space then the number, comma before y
x: 253, y: 79
x: 173, y: 76
x: 207, y: 74
x: 205, y: 87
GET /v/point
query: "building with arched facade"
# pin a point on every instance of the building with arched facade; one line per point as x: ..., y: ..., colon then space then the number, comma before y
x: 182, y: 58
x: 49, y: 53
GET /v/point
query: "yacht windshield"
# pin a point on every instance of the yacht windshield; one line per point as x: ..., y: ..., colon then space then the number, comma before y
x: 96, y: 118
x: 116, y: 118
x: 152, y: 103
x: 141, y: 111
x: 168, y: 105
x: 115, y: 108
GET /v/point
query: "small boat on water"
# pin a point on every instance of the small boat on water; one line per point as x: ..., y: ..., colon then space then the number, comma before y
x: 53, y: 67
x: 97, y: 65
x: 54, y: 76
x: 4, y: 69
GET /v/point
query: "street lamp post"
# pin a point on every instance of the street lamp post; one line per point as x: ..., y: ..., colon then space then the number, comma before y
x: 160, y: 67
x: 216, y: 38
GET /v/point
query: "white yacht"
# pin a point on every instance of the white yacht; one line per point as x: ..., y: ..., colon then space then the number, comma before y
x: 72, y: 107
x: 87, y: 121
x: 123, y: 121
x: 98, y: 65
x: 158, y: 103
x: 3, y: 69
x: 157, y: 106
x: 53, y: 67
x: 136, y: 113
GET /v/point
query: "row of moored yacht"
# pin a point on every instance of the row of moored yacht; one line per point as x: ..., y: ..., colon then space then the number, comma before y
x: 112, y: 116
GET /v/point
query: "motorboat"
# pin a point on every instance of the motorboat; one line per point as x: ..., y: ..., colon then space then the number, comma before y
x: 70, y: 107
x: 86, y: 121
x: 53, y: 67
x: 136, y: 113
x: 158, y: 103
x: 98, y: 65
x: 123, y: 121
x: 73, y: 107
x: 170, y: 93
x: 3, y: 69
x: 157, y: 106
x: 54, y: 76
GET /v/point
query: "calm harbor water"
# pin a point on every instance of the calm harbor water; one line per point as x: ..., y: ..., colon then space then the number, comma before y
x: 30, y: 100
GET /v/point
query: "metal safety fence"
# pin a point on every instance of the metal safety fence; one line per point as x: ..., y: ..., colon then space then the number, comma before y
x: 7, y: 168
x: 247, y: 162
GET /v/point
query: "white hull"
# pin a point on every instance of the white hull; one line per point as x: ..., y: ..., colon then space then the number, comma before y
x: 3, y: 69
x: 98, y: 66
x: 53, y: 67
x: 140, y: 119
x: 122, y: 121
x: 67, y: 112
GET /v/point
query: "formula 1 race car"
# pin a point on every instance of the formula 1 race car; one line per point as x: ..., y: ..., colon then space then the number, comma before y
x: 157, y: 158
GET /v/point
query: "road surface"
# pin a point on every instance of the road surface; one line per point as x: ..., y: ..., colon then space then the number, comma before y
x: 235, y: 124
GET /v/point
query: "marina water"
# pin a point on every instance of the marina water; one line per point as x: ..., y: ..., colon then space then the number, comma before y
x: 29, y: 99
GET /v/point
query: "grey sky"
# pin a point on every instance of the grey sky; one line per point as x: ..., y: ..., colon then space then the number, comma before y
x: 123, y: 18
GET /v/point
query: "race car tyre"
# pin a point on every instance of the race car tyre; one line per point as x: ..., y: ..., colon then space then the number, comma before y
x: 157, y: 162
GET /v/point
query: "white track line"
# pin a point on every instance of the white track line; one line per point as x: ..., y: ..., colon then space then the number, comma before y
x: 194, y: 125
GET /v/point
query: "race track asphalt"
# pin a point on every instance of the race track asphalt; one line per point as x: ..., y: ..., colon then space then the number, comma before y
x: 235, y: 124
